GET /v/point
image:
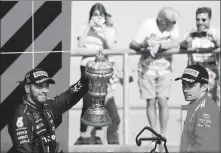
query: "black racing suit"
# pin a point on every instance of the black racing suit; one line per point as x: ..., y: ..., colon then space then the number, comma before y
x: 32, y: 128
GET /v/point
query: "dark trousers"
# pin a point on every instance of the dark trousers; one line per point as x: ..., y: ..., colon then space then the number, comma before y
x: 112, y: 135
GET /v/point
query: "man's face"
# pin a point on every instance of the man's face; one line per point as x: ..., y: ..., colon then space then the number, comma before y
x: 169, y: 24
x: 202, y: 21
x: 38, y: 93
x: 191, y: 91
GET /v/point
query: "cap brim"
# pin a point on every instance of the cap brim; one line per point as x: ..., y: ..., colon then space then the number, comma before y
x: 178, y: 78
x: 49, y: 80
x: 185, y: 79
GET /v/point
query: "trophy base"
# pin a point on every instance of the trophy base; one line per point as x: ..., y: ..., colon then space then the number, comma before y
x: 96, y: 117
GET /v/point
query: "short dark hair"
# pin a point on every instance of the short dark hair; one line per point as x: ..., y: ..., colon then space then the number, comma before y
x: 201, y: 82
x: 204, y: 10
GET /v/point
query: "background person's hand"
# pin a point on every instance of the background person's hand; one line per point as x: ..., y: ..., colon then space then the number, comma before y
x: 149, y: 42
x: 99, y: 25
x: 152, y: 43
x: 154, y: 50
x: 99, y: 21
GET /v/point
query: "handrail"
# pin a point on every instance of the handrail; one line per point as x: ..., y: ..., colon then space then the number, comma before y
x: 125, y: 99
x: 88, y: 52
x: 117, y: 51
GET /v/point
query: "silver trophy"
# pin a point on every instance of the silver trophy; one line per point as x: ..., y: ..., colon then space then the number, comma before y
x: 99, y: 71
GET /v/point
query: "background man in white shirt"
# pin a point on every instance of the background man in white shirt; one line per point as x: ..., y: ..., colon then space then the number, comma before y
x: 156, y: 35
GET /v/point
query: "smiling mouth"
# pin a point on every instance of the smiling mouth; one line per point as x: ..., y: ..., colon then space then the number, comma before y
x: 43, y: 95
x: 187, y: 95
x: 202, y: 26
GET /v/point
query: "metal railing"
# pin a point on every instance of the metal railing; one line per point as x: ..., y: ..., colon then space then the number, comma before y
x: 125, y: 53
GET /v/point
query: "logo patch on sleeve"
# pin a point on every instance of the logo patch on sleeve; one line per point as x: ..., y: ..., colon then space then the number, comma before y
x: 76, y: 87
x: 19, y: 122
x: 204, y: 122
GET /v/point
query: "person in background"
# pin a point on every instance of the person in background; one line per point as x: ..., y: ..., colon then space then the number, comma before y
x: 155, y: 36
x: 204, y: 37
x: 201, y: 132
x: 98, y: 34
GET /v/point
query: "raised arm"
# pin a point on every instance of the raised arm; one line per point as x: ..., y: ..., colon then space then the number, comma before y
x: 69, y: 98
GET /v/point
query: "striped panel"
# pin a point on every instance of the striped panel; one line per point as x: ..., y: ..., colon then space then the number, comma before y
x: 52, y: 34
x: 45, y: 15
x: 21, y: 41
x: 14, y: 19
x: 18, y: 44
x: 52, y: 62
x: 5, y: 7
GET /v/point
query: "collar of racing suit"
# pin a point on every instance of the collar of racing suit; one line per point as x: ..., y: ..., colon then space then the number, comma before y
x: 36, y: 106
x: 49, y: 125
x: 195, y: 104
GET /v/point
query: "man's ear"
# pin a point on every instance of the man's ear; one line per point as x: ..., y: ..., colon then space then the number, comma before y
x: 27, y: 88
x: 205, y: 88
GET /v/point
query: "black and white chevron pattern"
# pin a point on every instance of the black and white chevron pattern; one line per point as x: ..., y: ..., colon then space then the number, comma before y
x: 28, y: 28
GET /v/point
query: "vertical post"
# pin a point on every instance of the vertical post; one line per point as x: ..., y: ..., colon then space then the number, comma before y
x: 105, y: 135
x: 181, y: 118
x: 125, y: 99
x: 219, y: 67
x: 219, y: 79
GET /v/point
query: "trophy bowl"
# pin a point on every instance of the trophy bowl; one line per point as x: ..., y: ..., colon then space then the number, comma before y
x: 99, y: 71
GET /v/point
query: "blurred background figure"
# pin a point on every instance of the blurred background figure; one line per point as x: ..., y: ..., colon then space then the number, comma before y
x: 154, y: 72
x: 204, y: 37
x: 98, y: 34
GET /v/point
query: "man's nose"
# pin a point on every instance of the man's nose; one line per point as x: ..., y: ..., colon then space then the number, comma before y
x: 200, y: 22
x: 45, y: 90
